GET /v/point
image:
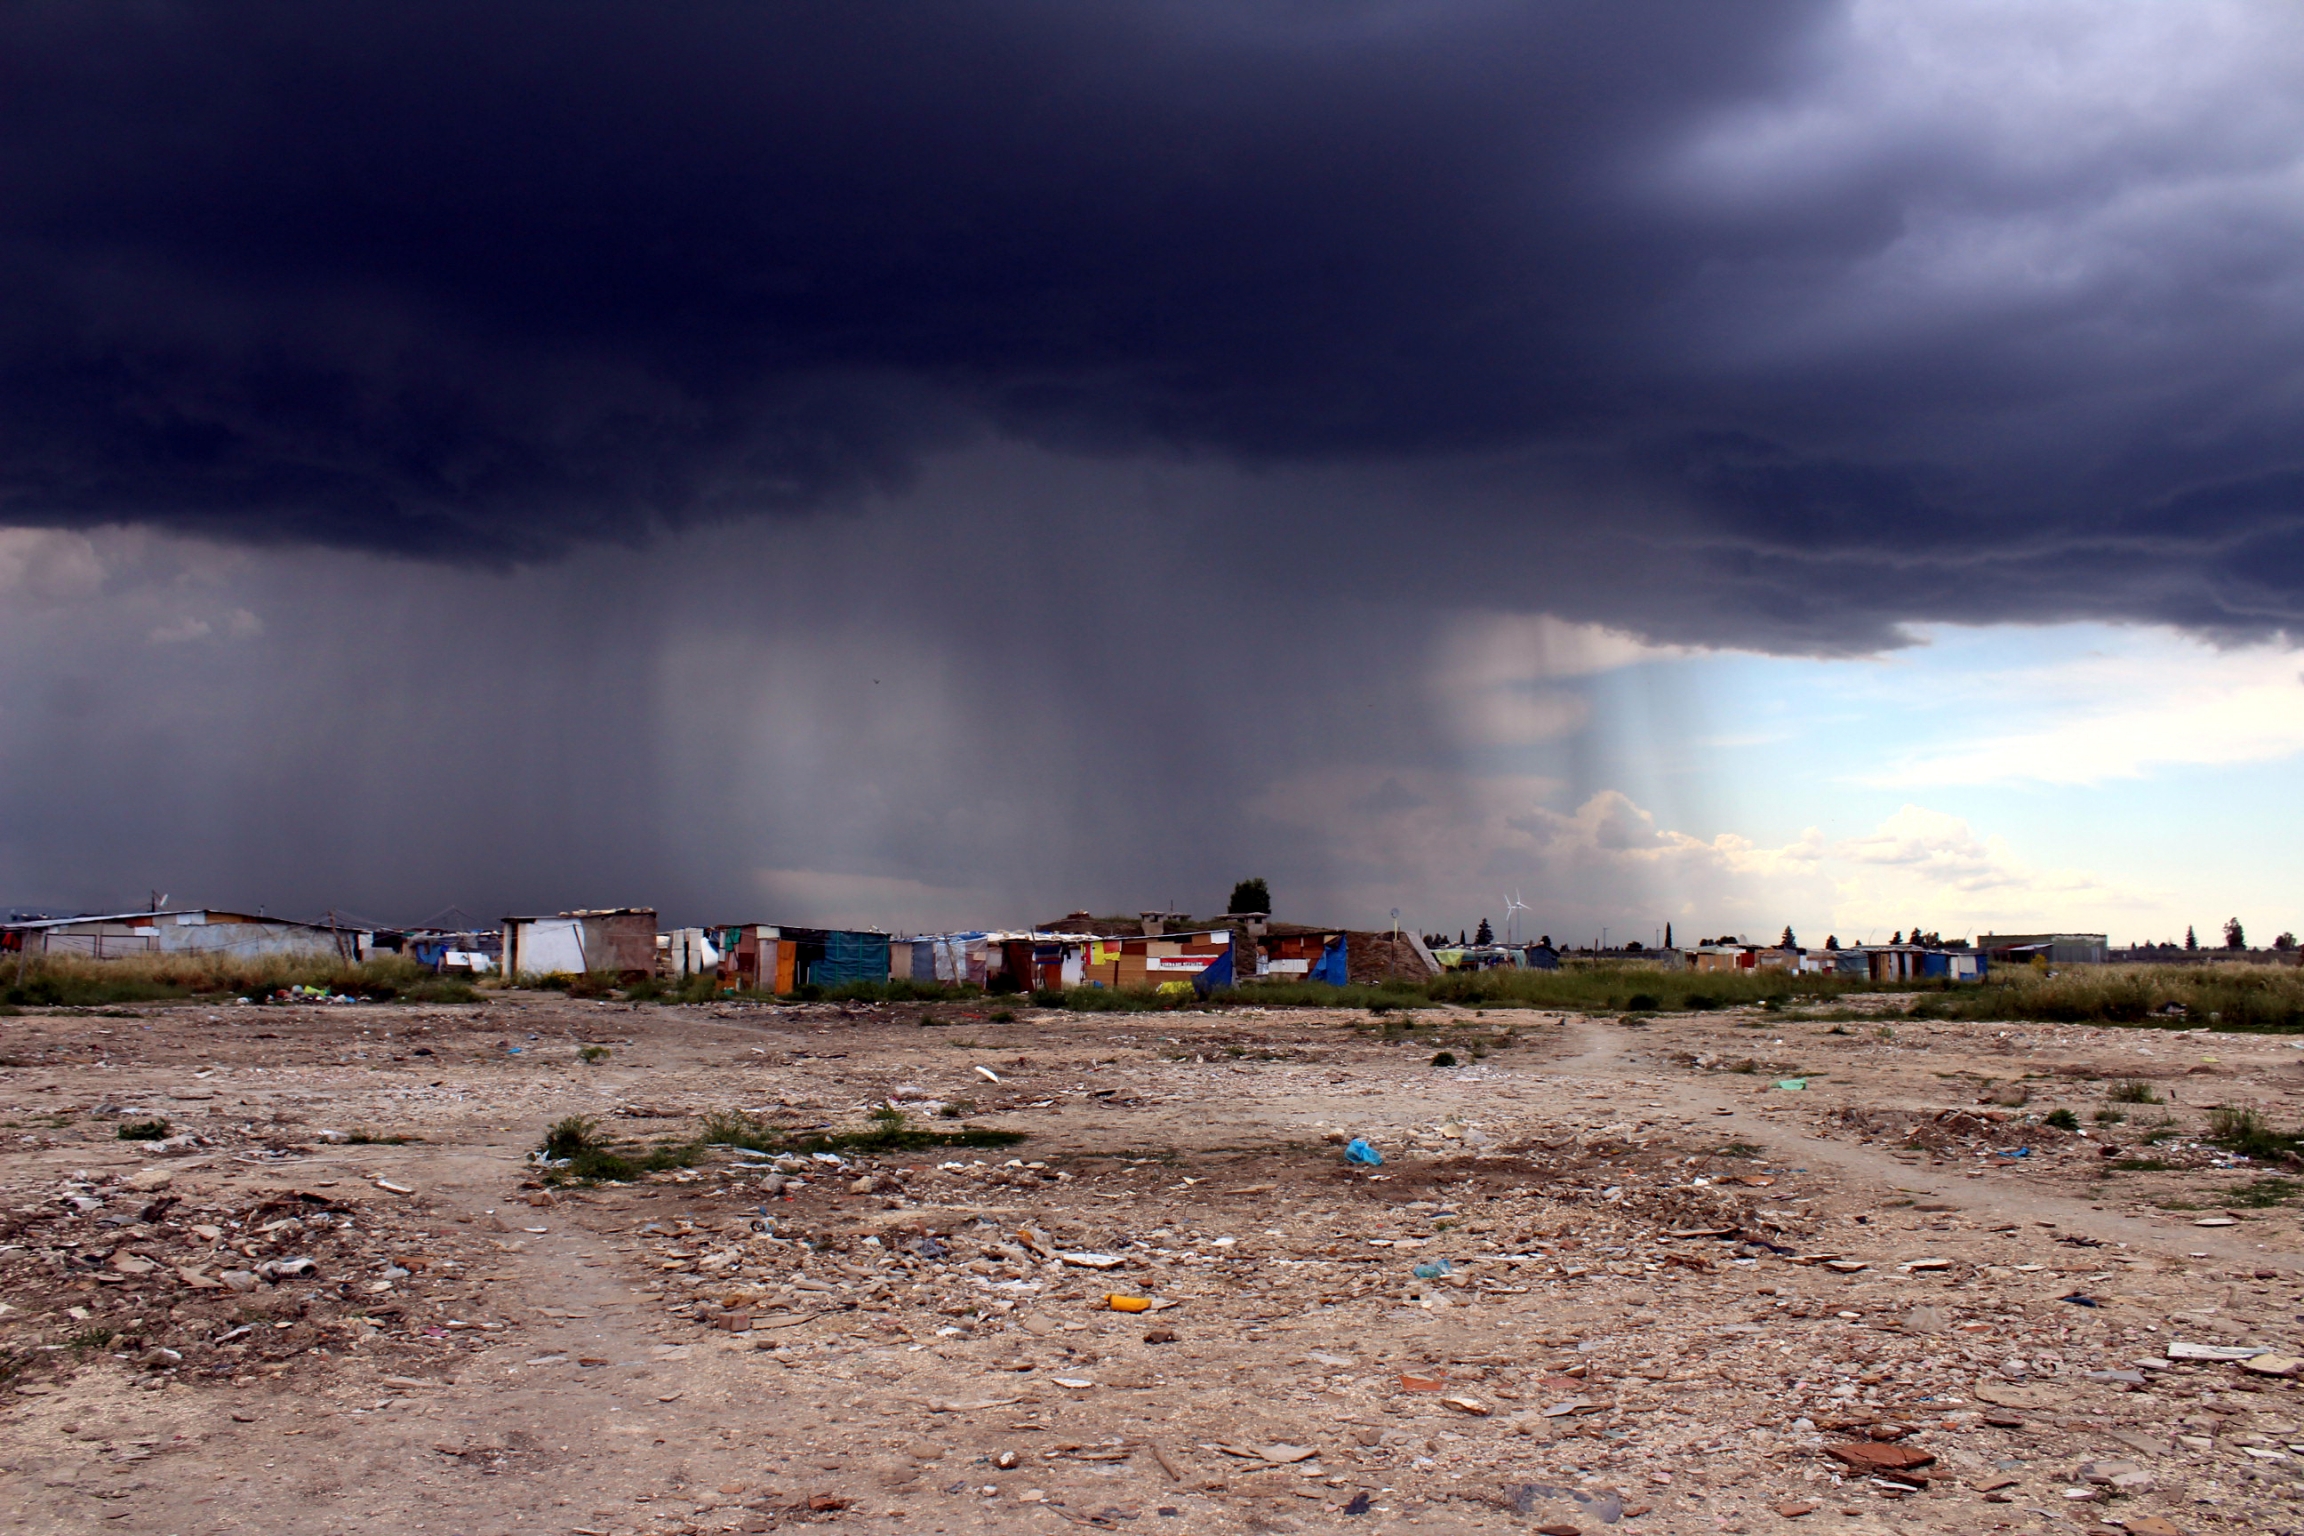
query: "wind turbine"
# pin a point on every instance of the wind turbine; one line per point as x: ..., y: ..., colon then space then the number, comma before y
x: 1513, y: 907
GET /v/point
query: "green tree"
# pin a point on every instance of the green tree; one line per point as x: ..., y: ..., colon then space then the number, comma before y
x: 2235, y: 937
x: 1787, y: 941
x: 1250, y: 896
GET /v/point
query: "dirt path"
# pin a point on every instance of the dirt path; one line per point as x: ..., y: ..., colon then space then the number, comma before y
x: 2001, y: 1196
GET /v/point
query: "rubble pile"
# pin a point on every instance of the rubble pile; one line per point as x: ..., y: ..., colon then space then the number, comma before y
x: 190, y: 1284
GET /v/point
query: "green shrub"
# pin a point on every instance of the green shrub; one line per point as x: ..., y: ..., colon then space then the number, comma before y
x: 2246, y: 1132
x: 591, y: 1053
x: 570, y: 1135
x: 2062, y: 1119
x: 592, y: 1159
x: 1444, y: 1059
x: 733, y: 1128
x: 143, y: 1130
x: 2133, y: 1091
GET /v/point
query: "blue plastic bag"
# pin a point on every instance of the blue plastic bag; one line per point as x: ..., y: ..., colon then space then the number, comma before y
x: 1432, y: 1269
x: 1358, y: 1151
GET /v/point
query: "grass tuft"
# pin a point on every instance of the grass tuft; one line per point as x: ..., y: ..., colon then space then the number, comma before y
x: 2248, y: 1133
x: 143, y: 1130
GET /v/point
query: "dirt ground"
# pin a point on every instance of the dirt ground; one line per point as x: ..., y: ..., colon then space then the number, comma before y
x: 1680, y: 1294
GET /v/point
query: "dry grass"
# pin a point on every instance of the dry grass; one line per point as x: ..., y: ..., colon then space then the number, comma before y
x: 75, y: 981
x: 2260, y: 998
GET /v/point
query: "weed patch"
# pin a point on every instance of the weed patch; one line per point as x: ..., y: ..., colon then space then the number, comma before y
x: 2246, y: 1132
x: 143, y: 1130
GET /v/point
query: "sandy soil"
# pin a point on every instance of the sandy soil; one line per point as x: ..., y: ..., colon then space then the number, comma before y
x: 259, y: 1326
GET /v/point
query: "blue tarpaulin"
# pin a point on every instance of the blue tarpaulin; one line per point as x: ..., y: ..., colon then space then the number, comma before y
x: 850, y: 957
x: 1218, y: 973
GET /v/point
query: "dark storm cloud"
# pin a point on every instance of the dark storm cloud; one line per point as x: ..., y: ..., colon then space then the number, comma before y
x: 486, y: 282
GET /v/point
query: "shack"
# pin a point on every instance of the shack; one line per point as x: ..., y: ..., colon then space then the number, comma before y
x: 687, y: 952
x: 1303, y: 956
x: 827, y: 957
x: 181, y: 931
x: 1203, y: 959
x: 748, y: 953
x: 2054, y: 948
x: 618, y: 940
x: 467, y: 951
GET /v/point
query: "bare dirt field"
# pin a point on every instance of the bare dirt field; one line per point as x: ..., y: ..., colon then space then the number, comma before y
x: 1608, y: 1275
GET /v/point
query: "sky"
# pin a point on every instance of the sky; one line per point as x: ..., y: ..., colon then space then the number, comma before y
x: 1827, y: 465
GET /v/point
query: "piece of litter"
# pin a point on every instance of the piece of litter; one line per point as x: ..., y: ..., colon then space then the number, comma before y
x: 2178, y: 1349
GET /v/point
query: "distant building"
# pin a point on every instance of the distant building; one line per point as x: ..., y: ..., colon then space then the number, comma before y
x: 2055, y: 948
x: 687, y: 952
x: 1304, y: 955
x: 617, y: 940
x: 768, y: 957
x: 450, y: 951
x: 181, y: 931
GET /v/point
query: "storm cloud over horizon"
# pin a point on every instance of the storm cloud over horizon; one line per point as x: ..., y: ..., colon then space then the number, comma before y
x: 1320, y: 349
